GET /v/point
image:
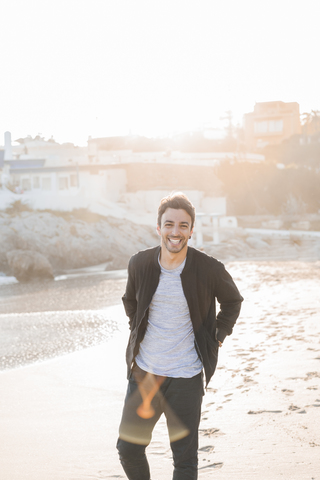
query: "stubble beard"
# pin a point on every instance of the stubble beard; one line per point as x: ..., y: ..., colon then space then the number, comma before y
x: 172, y: 248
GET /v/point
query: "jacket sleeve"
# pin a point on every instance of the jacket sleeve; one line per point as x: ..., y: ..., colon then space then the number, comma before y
x: 129, y: 298
x: 230, y: 300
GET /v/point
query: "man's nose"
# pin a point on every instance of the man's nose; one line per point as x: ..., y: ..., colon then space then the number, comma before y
x: 175, y: 230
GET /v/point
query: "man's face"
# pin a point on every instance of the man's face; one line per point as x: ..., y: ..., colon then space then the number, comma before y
x: 175, y: 229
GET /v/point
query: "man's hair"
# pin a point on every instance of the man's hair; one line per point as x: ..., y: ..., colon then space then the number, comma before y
x: 178, y: 201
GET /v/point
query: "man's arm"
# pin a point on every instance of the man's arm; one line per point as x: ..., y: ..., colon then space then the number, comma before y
x: 129, y: 298
x: 230, y: 300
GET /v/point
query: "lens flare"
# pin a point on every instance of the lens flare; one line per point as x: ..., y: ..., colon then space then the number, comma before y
x: 144, y: 408
x: 148, y: 389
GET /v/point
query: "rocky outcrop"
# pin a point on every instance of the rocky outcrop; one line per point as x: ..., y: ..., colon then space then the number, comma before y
x: 72, y: 243
x: 257, y: 243
x: 26, y: 265
x: 68, y: 243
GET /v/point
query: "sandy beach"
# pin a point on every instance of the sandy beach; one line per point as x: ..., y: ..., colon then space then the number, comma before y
x: 63, y: 380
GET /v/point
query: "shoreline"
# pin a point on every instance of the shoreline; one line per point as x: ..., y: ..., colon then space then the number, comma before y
x: 43, y: 320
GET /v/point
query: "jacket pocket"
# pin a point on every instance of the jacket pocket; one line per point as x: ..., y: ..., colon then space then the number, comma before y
x: 130, y: 347
x: 212, y: 345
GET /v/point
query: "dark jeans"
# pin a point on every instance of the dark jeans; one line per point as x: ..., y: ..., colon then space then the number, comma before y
x: 180, y: 400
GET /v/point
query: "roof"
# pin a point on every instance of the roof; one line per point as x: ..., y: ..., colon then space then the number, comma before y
x: 25, y: 164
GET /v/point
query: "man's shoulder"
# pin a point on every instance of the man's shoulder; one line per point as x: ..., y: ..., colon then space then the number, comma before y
x: 144, y: 256
x: 204, y: 258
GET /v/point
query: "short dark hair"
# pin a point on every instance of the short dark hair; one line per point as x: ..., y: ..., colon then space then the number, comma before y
x: 178, y: 201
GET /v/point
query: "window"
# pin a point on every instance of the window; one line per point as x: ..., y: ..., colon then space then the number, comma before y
x: 26, y: 184
x: 73, y: 180
x: 63, y: 183
x: 36, y: 182
x: 275, y: 125
x: 46, y: 183
x: 261, y: 127
x: 268, y: 126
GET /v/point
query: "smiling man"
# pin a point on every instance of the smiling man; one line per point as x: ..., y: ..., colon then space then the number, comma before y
x: 170, y: 300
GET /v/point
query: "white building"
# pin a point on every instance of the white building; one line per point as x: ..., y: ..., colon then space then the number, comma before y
x: 48, y: 175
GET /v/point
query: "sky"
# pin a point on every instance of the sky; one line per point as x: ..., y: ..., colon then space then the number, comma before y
x: 77, y: 68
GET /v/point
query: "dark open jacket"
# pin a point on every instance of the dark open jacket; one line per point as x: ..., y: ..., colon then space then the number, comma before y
x: 204, y: 279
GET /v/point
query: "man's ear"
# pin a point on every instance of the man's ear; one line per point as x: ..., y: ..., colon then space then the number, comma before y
x: 158, y: 230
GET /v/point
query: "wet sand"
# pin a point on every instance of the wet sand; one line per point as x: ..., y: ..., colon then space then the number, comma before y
x: 33, y: 327
x: 261, y: 413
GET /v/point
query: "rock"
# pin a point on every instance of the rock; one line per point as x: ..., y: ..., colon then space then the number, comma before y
x: 257, y: 243
x: 241, y: 232
x: 73, y: 243
x: 74, y: 231
x: 27, y: 265
x: 7, y: 242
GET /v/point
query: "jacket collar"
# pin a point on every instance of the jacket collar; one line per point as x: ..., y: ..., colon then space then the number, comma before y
x: 156, y: 256
x: 188, y: 264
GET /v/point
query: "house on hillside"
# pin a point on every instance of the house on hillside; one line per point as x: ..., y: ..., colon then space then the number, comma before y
x: 48, y: 175
x: 135, y: 186
x: 270, y: 123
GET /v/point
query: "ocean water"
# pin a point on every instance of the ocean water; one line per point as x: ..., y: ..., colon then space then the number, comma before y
x: 32, y: 337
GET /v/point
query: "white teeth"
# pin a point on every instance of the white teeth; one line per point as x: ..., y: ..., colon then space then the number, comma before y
x: 175, y: 242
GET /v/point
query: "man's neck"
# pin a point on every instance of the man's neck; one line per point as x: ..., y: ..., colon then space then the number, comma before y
x: 169, y: 260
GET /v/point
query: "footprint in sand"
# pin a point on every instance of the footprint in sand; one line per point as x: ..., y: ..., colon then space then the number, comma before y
x: 287, y: 391
x: 212, y: 465
x: 207, y: 449
x: 294, y: 408
x: 312, y: 375
x: 234, y: 371
x: 213, y: 390
x: 249, y: 380
x: 211, y: 432
x: 314, y: 404
x: 249, y: 369
x: 257, y: 412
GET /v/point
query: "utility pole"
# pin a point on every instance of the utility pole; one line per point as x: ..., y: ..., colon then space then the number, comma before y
x: 229, y: 127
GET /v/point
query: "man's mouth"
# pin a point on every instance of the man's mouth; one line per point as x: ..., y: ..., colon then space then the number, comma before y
x: 175, y: 241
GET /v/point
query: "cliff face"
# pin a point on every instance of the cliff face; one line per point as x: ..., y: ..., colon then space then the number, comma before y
x: 68, y: 244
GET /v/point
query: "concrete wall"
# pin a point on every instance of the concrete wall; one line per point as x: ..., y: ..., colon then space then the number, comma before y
x: 115, y: 184
x: 148, y: 201
x: 170, y: 177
